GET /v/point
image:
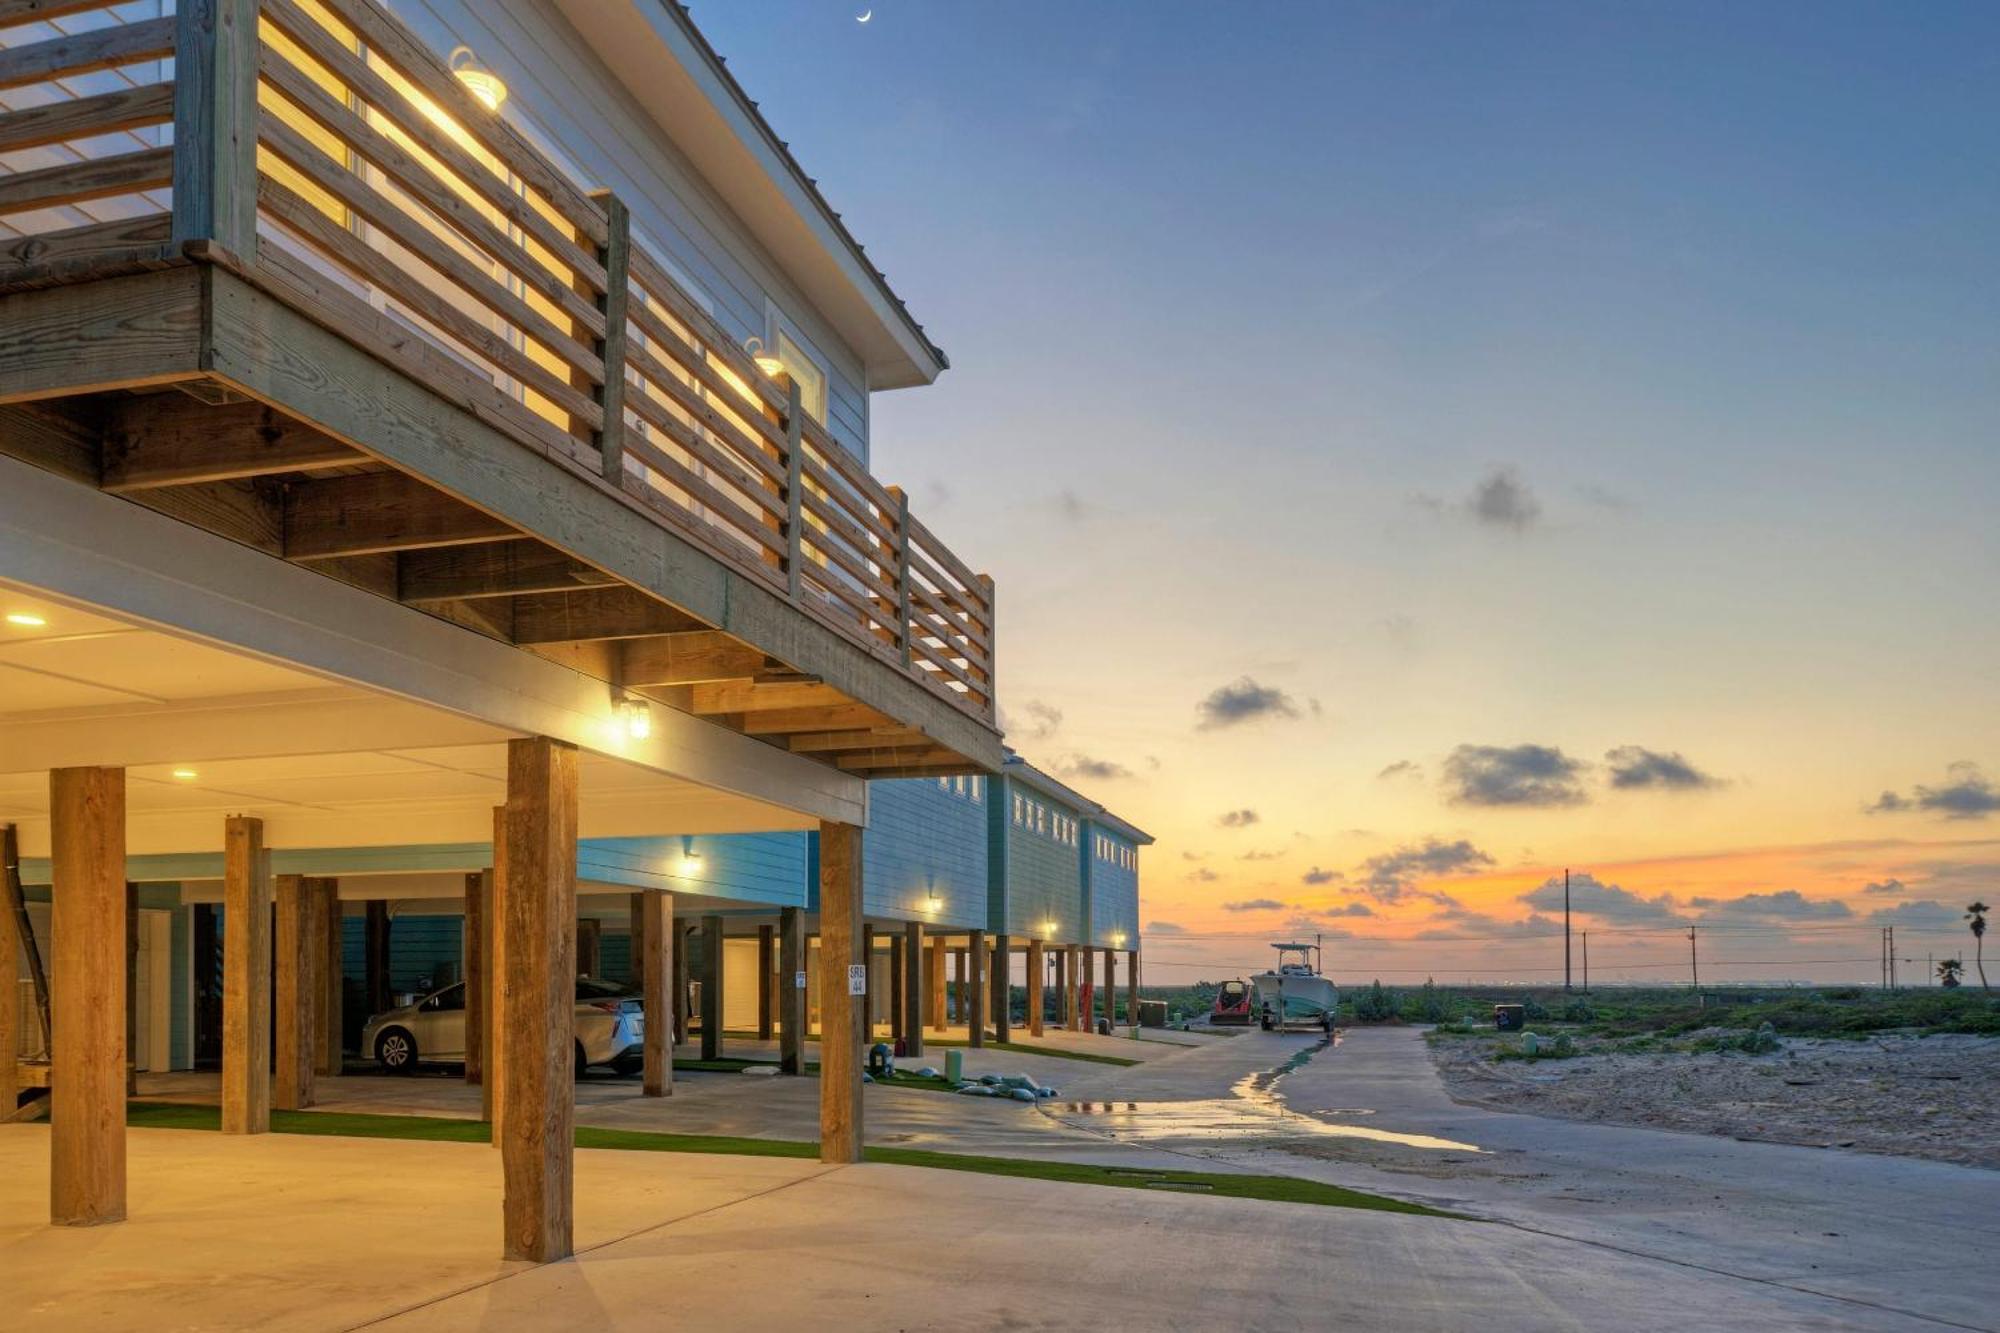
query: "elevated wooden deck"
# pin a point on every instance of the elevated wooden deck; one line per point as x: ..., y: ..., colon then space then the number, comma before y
x: 303, y: 288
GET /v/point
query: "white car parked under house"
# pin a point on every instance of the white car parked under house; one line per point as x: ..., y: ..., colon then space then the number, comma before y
x: 610, y: 1028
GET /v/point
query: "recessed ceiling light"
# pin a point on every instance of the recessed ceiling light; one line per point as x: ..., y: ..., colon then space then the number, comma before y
x: 25, y: 618
x: 186, y: 774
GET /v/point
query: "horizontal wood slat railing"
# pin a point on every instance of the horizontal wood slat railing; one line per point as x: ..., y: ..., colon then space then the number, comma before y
x: 381, y: 197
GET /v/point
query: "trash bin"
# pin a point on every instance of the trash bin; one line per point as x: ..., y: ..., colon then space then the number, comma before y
x: 1510, y: 1017
x: 1152, y: 1013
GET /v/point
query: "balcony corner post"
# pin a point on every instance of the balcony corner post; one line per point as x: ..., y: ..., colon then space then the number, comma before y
x: 903, y: 574
x: 215, y: 125
x: 992, y: 644
x: 616, y: 256
x: 794, y: 489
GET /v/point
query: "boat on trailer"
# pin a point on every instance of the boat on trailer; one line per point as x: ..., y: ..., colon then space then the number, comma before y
x: 1293, y: 994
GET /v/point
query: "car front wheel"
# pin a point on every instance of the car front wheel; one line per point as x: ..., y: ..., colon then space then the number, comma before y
x: 396, y: 1050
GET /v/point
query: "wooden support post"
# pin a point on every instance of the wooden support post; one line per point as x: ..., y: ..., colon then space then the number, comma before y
x: 474, y: 949
x: 131, y: 989
x: 246, y: 978
x: 333, y: 989
x: 635, y: 916
x: 711, y: 988
x: 10, y: 979
x: 589, y: 946
x: 87, y: 1059
x: 914, y: 987
x: 1003, y: 983
x: 975, y: 989
x: 868, y: 996
x: 215, y: 124
x: 791, y: 994
x: 1111, y: 987
x: 298, y: 988
x: 1036, y: 971
x: 840, y: 1131
x: 538, y: 1018
x: 767, y: 945
x: 1086, y: 990
x: 1072, y: 980
x: 375, y: 955
x: 895, y: 988
x: 615, y: 254
x: 654, y: 934
x: 493, y: 1092
x: 1132, y: 988
x: 683, y: 1020
x: 940, y: 1015
x: 958, y: 985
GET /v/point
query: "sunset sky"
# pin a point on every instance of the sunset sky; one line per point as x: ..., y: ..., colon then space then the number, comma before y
x: 1424, y: 446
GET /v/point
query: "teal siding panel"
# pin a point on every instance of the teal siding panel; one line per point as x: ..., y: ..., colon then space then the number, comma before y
x: 767, y: 868
x: 1114, y: 892
x: 924, y: 837
x: 1044, y: 876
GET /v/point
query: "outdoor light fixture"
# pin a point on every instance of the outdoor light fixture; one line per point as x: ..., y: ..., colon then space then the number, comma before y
x: 690, y: 858
x: 483, y: 83
x: 186, y: 774
x: 638, y: 718
x: 25, y: 619
x: 931, y: 895
x: 766, y: 361
x: 1048, y: 930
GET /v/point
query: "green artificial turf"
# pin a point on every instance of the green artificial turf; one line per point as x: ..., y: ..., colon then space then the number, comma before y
x: 347, y: 1124
x: 1020, y: 1048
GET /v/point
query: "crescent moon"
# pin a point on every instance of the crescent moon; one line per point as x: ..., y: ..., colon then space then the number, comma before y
x: 863, y: 18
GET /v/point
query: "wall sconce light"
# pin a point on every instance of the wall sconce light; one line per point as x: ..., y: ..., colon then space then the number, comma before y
x: 932, y: 898
x: 1048, y: 930
x: 766, y: 361
x: 483, y: 83
x: 690, y: 858
x: 636, y: 716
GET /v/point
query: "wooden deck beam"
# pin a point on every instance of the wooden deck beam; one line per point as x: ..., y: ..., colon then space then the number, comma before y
x: 170, y: 439
x: 620, y: 612
x: 379, y: 511
x: 697, y: 657
x: 493, y: 569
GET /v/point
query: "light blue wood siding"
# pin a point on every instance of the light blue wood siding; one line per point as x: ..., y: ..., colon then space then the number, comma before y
x: 560, y: 93
x: 922, y: 835
x: 1040, y: 889
x: 1114, y: 890
x: 768, y: 868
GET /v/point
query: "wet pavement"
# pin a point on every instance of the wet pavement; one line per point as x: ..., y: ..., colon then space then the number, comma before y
x: 1885, y: 1237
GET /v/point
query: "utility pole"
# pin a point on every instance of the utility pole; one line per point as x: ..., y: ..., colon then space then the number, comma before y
x: 1565, y: 930
x: 1586, y: 962
x: 1694, y: 962
x: 1892, y: 958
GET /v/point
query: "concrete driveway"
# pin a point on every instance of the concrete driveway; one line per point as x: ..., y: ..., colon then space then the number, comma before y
x: 1883, y: 1236
x: 305, y: 1233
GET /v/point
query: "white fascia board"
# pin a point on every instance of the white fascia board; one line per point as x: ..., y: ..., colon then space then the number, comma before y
x: 652, y: 53
x: 98, y: 551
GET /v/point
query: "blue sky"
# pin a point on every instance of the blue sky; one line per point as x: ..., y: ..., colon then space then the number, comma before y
x: 1248, y: 302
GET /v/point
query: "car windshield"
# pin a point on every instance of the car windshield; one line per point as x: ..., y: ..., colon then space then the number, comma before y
x: 590, y: 988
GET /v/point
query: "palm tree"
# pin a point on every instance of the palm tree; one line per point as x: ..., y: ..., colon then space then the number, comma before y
x: 1976, y: 914
x: 1948, y: 970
